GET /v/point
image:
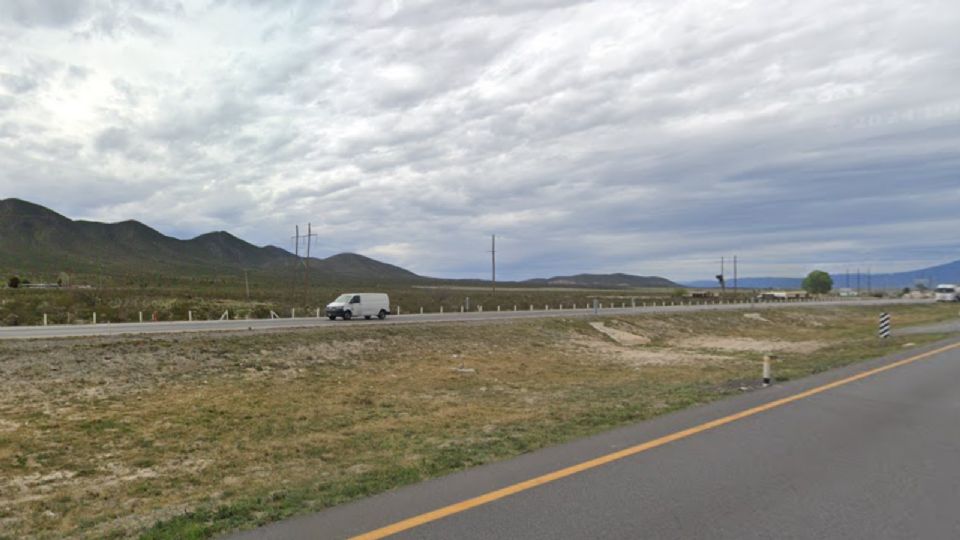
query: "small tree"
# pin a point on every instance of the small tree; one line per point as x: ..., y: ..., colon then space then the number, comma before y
x: 818, y: 282
x: 13, y: 282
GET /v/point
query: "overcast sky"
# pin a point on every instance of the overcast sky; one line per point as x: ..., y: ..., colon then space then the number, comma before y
x: 641, y: 137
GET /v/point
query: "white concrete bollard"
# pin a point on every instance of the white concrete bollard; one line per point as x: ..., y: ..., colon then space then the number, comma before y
x: 766, y: 370
x: 94, y: 317
x: 498, y: 309
x: 44, y: 319
x: 141, y: 317
x: 421, y: 310
x: 189, y: 315
x: 479, y: 309
x: 318, y: 313
x: 514, y: 307
x: 531, y: 307
x: 293, y: 313
x: 441, y: 309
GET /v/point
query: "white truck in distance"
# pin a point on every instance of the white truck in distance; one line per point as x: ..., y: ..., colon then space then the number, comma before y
x: 366, y: 305
x: 946, y: 293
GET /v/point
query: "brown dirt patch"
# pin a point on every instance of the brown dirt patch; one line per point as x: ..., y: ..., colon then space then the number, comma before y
x: 623, y: 338
x: 739, y: 344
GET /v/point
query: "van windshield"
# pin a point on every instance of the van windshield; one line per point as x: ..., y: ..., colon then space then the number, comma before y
x: 344, y: 298
x: 946, y: 290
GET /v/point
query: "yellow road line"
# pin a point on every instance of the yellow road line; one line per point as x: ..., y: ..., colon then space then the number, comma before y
x: 480, y: 500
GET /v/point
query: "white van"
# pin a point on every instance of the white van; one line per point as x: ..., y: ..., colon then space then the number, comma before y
x: 946, y: 293
x: 364, y: 305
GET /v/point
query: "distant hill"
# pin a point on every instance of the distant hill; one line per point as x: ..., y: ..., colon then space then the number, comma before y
x: 943, y: 273
x: 751, y: 283
x: 605, y: 281
x: 36, y: 239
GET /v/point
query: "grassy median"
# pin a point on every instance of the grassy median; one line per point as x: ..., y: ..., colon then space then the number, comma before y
x: 190, y: 435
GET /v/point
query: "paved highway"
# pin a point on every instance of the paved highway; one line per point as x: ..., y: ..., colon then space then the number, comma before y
x: 869, y: 451
x: 111, y: 329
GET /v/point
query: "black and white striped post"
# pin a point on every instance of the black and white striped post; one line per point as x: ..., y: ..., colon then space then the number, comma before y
x: 884, y: 331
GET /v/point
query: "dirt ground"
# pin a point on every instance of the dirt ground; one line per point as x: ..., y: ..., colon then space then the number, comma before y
x: 190, y: 435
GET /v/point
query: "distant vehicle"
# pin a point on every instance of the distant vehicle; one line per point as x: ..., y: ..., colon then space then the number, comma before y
x: 366, y: 305
x: 947, y: 293
x: 781, y: 295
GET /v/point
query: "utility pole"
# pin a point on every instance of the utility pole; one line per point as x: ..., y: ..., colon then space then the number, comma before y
x: 296, y: 249
x: 306, y: 262
x: 493, y: 261
x: 296, y: 241
x: 736, y: 287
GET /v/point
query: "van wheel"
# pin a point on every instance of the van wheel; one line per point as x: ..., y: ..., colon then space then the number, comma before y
x: 333, y: 317
x: 367, y: 317
x: 382, y: 315
x: 347, y: 315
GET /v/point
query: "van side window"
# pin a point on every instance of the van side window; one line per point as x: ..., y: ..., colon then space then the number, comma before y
x: 356, y: 299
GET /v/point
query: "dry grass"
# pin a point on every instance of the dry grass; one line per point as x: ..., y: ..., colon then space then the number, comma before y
x: 184, y: 436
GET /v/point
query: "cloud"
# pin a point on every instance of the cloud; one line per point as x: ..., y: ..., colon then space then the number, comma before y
x: 589, y: 136
x: 52, y: 13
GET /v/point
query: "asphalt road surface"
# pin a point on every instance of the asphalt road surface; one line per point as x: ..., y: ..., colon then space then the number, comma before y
x: 112, y: 329
x: 868, y: 451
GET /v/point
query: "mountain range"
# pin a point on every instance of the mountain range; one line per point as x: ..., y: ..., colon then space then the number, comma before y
x: 35, y: 240
x: 602, y: 281
x: 930, y: 277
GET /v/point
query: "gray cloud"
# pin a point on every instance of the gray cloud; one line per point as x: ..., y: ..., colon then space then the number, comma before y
x: 590, y: 136
x: 51, y: 13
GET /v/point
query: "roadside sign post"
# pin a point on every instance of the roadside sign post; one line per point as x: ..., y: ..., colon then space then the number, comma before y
x: 884, y: 331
